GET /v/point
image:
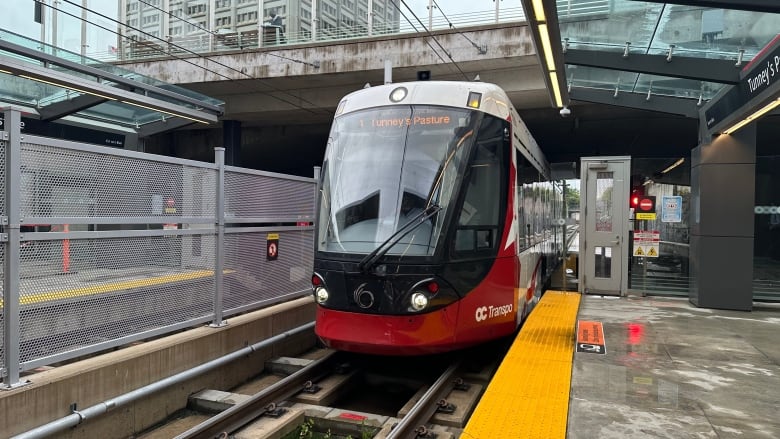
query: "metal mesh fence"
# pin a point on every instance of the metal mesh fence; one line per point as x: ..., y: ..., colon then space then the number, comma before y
x: 262, y: 196
x: 112, y: 289
x: 63, y: 182
x: 3, y: 366
x: 117, y: 246
x: 251, y: 279
x: 2, y: 177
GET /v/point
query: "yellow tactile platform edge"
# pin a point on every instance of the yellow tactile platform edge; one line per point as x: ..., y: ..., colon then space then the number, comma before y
x: 528, y: 396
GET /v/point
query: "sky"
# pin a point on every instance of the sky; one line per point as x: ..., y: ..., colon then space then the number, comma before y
x: 18, y: 17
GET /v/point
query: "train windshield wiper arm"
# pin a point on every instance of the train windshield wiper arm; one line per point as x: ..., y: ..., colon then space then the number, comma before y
x: 366, y: 263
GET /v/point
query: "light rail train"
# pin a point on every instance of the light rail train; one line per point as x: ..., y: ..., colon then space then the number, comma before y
x: 434, y: 228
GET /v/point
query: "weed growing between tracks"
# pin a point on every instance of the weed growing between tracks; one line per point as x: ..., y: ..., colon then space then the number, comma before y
x: 309, y: 430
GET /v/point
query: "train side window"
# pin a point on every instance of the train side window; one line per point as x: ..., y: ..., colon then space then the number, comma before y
x: 479, y: 217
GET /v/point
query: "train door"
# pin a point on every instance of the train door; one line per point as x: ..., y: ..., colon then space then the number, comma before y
x: 604, y: 255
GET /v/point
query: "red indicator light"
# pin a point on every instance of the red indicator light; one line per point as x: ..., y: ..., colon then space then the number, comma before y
x: 634, y: 201
x: 635, y: 333
x: 316, y: 281
x: 433, y: 287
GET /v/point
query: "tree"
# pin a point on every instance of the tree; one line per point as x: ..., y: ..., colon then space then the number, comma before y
x: 572, y: 198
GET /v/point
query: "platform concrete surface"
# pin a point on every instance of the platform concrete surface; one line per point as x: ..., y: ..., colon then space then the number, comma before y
x: 672, y: 370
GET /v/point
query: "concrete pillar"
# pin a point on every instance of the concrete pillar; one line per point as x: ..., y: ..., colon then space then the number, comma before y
x: 231, y: 140
x: 721, y: 243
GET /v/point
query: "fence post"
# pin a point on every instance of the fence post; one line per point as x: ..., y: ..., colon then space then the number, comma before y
x: 219, y: 251
x: 11, y: 136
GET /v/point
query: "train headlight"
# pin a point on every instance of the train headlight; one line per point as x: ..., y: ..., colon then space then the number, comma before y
x: 419, y: 301
x: 398, y: 94
x: 321, y: 294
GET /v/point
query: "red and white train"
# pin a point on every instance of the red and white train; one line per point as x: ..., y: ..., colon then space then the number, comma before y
x: 434, y: 227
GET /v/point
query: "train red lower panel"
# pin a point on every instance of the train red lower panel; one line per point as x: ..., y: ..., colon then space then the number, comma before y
x: 468, y: 322
x: 388, y: 335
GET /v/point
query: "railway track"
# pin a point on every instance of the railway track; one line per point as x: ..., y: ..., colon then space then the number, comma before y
x: 313, y: 399
x: 261, y: 403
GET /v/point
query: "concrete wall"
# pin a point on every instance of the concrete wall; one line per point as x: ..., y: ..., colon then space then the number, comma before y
x: 49, y: 395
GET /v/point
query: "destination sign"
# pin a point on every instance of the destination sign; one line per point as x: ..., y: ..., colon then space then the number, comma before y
x: 399, y: 122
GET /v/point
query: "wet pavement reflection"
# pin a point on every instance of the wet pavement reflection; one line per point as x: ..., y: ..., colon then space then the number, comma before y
x: 672, y: 370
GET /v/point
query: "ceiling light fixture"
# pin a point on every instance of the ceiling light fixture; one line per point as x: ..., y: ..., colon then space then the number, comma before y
x: 163, y: 111
x: 32, y: 78
x: 673, y: 165
x: 766, y: 109
x: 540, y: 21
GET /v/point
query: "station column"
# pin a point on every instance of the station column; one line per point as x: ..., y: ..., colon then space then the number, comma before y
x: 722, y: 221
x: 231, y: 141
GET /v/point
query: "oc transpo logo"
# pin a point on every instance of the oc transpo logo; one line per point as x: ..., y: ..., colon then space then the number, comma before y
x: 488, y: 312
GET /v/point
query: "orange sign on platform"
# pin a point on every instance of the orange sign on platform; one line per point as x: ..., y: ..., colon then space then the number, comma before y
x: 590, y: 337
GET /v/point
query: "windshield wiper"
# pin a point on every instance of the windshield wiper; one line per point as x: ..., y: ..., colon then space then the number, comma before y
x: 366, y: 263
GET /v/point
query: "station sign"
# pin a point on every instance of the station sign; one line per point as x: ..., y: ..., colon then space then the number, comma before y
x: 756, y: 78
x: 645, y: 209
x: 647, y: 243
x: 67, y: 132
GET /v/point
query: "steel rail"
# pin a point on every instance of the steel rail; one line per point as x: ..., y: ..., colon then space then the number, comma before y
x: 241, y: 414
x: 426, y: 407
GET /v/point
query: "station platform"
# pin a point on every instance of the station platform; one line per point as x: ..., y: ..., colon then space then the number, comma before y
x: 663, y: 369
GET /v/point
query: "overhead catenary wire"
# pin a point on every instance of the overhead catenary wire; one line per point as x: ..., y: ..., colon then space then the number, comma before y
x: 452, y: 26
x: 393, y: 2
x: 436, y: 41
x: 205, y: 58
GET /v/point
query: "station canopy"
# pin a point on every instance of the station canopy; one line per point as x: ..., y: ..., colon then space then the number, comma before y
x: 55, y: 85
x: 671, y: 57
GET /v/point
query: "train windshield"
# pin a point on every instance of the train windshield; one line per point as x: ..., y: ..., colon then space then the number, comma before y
x: 384, y: 166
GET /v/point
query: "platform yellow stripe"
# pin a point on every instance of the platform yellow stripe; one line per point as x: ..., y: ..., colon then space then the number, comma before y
x: 528, y: 396
x: 114, y: 286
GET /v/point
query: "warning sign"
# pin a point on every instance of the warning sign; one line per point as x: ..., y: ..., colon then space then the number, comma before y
x: 646, y: 208
x: 272, y: 246
x: 646, y: 243
x: 590, y: 337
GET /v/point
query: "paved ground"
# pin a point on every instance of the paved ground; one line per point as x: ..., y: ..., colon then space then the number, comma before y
x: 672, y: 370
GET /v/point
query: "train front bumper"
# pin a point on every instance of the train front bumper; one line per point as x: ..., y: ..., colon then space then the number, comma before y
x: 374, y: 334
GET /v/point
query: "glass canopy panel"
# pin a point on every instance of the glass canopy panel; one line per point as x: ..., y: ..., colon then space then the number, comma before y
x: 651, y: 28
x: 581, y: 76
x: 676, y: 87
x: 17, y: 90
x: 93, y: 63
x: 122, y: 114
x: 592, y: 77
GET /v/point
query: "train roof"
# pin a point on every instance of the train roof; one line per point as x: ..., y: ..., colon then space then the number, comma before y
x: 451, y: 94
